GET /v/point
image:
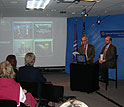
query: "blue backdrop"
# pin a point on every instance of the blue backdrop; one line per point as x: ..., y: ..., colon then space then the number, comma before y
x: 109, y: 23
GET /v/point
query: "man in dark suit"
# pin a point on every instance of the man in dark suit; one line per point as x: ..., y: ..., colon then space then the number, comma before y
x: 87, y: 49
x: 108, y: 59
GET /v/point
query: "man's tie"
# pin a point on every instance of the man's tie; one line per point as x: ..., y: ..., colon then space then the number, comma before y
x: 105, y: 50
x: 84, y: 50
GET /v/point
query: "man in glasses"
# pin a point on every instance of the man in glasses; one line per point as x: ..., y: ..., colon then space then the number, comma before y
x: 87, y: 49
x: 107, y: 58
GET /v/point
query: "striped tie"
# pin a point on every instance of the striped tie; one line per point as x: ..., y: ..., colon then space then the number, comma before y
x: 84, y: 50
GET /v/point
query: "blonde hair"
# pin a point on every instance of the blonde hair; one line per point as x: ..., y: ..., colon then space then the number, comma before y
x: 6, y: 70
x: 29, y: 58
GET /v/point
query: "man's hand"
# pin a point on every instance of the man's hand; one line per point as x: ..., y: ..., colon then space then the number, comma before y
x: 101, y: 61
x: 25, y: 91
x: 87, y: 59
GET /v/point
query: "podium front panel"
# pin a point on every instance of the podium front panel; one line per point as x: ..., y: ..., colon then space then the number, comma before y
x: 84, y: 77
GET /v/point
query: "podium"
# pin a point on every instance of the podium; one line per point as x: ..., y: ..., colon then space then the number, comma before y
x: 84, y: 77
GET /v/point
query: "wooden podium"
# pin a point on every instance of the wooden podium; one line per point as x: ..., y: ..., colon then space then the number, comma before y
x: 84, y: 77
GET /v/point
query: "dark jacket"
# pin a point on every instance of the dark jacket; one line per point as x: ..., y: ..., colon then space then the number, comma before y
x: 90, y: 52
x: 110, y: 56
x: 31, y: 74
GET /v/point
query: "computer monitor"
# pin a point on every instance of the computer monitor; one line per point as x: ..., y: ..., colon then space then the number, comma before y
x: 81, y: 58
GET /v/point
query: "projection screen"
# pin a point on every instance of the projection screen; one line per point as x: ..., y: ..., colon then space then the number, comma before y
x: 45, y: 37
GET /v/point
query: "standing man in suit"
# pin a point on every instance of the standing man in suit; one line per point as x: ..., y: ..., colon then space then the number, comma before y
x: 108, y: 59
x: 87, y: 49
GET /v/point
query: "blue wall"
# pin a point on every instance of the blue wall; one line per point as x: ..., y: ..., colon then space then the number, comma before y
x: 108, y: 23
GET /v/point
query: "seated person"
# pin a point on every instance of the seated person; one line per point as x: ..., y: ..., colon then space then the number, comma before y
x: 29, y: 73
x: 9, y: 89
x: 12, y: 60
x: 108, y: 60
x: 87, y: 49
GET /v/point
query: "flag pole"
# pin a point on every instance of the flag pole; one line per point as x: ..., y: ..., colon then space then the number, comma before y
x: 84, y: 17
x: 75, y: 43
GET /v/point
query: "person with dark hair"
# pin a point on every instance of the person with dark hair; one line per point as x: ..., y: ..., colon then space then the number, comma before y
x: 107, y: 58
x: 87, y: 49
x: 12, y: 60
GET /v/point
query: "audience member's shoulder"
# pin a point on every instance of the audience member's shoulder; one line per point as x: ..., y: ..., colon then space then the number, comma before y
x: 37, y: 69
x: 21, y: 68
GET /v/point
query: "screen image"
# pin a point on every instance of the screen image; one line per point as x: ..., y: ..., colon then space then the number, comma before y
x: 43, y: 47
x: 21, y: 47
x: 22, y: 30
x: 45, y: 37
x: 43, y: 30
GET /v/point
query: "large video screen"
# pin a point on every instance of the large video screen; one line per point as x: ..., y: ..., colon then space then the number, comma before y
x: 46, y: 38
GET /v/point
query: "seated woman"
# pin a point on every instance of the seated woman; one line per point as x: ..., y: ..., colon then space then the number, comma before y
x: 12, y: 60
x: 10, y: 89
x: 29, y: 73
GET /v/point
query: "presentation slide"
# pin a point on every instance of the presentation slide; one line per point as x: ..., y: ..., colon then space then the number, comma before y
x: 45, y: 37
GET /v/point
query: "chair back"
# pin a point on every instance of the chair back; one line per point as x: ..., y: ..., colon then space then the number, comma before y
x: 116, y: 61
x: 8, y: 103
x: 30, y: 87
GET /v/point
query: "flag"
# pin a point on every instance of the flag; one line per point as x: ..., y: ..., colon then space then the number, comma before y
x: 75, y: 42
x: 83, y: 33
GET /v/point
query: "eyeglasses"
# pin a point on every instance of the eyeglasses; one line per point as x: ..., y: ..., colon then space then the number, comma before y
x: 84, y: 40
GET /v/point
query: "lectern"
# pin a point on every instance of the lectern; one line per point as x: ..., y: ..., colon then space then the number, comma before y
x: 84, y: 77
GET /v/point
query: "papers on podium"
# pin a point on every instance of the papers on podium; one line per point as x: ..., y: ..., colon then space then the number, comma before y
x: 75, y: 53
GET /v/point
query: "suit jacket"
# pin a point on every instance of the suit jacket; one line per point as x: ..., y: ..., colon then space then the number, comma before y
x: 31, y: 74
x: 110, y: 56
x: 90, y: 52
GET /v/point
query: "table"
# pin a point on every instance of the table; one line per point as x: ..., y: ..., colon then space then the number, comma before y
x: 84, y: 77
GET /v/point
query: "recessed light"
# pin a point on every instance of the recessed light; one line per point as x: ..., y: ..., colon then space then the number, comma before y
x: 13, y: 2
x: 73, y: 13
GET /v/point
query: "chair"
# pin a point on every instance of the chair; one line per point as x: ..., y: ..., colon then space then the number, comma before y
x: 110, y: 79
x: 32, y: 87
x: 8, y: 103
x: 53, y: 93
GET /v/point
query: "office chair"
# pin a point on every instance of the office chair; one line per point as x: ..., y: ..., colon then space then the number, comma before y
x: 8, y: 103
x: 115, y: 79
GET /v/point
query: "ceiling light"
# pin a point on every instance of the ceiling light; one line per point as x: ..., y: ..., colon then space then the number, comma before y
x: 86, y: 15
x: 98, y: 20
x: 13, y: 2
x: 36, y: 4
x: 73, y: 13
